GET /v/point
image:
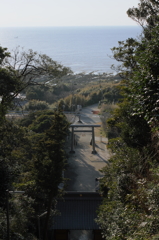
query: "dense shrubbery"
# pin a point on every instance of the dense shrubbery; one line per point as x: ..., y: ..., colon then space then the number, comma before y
x: 47, y: 92
x: 34, y: 105
x: 130, y: 208
x: 92, y: 95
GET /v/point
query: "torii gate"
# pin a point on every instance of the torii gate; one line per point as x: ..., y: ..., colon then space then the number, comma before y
x: 82, y: 126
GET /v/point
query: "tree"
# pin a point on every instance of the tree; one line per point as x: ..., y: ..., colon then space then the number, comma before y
x: 32, y: 161
x: 125, y: 53
x: 140, y: 63
x: 5, y: 79
x: 129, y: 210
x: 14, y: 155
x: 19, y: 70
x: 146, y: 14
x: 144, y: 83
x: 132, y: 129
x: 49, y: 161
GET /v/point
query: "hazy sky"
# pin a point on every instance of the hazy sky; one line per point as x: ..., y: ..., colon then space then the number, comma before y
x: 21, y: 13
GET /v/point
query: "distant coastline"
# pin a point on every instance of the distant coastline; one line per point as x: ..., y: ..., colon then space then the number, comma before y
x: 83, y: 49
x: 108, y: 26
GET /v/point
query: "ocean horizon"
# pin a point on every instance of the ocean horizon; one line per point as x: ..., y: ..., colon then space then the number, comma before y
x: 82, y: 49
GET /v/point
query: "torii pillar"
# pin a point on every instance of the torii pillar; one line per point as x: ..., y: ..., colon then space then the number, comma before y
x: 93, y: 141
x: 72, y: 140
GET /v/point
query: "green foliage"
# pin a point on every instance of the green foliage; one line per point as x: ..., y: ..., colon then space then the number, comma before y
x: 49, y: 161
x: 91, y: 95
x: 42, y: 123
x: 49, y: 92
x: 125, y: 53
x: 8, y: 83
x: 20, y: 146
x: 36, y: 105
x: 37, y: 92
x: 42, y: 173
x: 14, y: 155
x: 31, y: 161
x: 30, y: 95
x: 71, y: 102
x: 38, y: 121
x: 21, y: 69
x: 22, y: 208
x: 3, y: 54
x: 146, y: 14
x: 144, y: 84
x: 133, y: 129
x: 124, y: 212
x: 130, y: 208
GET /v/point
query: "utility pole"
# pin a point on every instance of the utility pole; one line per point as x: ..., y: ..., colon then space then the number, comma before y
x: 8, y: 237
x: 8, y: 223
x: 39, y: 228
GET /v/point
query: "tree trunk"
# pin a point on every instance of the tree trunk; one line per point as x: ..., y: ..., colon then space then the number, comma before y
x: 48, y: 216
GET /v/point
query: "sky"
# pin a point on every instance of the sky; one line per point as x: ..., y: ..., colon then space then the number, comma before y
x: 34, y: 13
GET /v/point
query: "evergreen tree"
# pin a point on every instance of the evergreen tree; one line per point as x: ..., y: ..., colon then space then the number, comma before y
x: 49, y: 162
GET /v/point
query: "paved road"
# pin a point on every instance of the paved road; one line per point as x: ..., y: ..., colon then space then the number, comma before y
x: 87, y: 116
x: 83, y: 166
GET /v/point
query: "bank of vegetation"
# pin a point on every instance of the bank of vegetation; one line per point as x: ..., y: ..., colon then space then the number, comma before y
x: 32, y: 149
x: 130, y: 184
x: 71, y: 91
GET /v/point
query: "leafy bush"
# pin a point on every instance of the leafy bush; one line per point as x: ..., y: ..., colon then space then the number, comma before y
x: 36, y: 105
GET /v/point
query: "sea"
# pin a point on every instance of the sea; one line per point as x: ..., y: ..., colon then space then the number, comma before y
x: 82, y: 49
